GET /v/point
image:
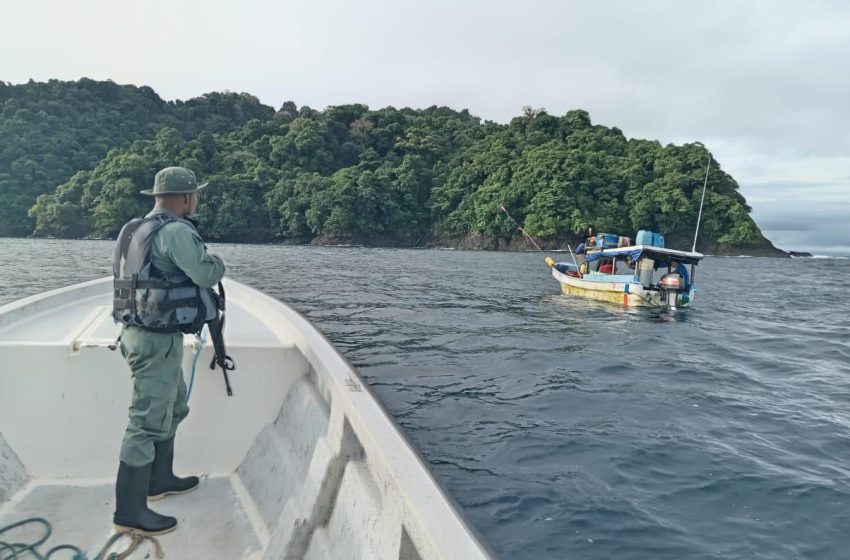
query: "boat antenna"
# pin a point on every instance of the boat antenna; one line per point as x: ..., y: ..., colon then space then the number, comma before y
x: 699, y: 216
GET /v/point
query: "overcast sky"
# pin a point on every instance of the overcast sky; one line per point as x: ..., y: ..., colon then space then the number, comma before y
x: 764, y: 84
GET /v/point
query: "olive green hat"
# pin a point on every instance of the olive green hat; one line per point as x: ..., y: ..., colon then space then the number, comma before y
x: 174, y: 180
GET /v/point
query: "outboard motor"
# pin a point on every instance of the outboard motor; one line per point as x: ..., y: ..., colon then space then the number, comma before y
x: 672, y: 284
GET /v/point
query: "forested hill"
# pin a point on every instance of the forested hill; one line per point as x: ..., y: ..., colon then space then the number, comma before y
x: 348, y: 173
x: 50, y: 131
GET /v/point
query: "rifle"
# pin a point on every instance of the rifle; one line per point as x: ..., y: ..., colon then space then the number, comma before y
x: 216, y: 328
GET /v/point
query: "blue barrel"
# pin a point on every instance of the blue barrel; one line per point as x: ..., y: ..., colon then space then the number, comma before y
x: 607, y: 240
x: 644, y: 237
x: 658, y: 240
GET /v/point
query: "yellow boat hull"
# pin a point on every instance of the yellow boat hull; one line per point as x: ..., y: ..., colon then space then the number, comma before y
x: 629, y: 294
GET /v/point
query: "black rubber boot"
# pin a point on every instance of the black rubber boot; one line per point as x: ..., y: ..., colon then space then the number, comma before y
x: 163, y: 482
x: 131, y: 508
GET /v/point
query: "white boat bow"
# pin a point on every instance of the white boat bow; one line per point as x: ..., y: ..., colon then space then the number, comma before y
x: 302, y: 462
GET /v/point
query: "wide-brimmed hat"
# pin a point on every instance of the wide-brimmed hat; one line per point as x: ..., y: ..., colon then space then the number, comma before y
x: 174, y: 180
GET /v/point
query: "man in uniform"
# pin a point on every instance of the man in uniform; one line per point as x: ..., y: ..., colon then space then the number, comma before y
x: 163, y: 279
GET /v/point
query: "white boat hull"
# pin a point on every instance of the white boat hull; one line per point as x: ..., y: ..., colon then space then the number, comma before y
x: 302, y: 462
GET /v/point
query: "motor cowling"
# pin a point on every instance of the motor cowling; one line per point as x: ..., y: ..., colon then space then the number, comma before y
x: 672, y: 284
x: 673, y: 281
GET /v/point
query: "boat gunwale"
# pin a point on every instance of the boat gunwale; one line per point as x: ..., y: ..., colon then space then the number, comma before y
x: 364, y: 387
x: 594, y: 285
x: 419, y: 500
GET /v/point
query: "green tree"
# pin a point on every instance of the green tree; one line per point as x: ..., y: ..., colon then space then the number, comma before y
x: 73, y: 156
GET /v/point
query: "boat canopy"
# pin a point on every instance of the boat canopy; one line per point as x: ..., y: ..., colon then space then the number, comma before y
x: 659, y: 254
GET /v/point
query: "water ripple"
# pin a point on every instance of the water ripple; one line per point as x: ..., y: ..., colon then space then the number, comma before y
x: 572, y: 429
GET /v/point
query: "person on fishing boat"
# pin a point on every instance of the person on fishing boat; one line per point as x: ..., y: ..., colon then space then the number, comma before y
x: 588, y: 240
x: 680, y: 268
x: 163, y: 276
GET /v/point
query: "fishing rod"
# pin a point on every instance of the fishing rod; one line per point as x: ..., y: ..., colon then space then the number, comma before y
x: 699, y: 216
x: 519, y: 227
x: 573, y: 256
x: 549, y: 260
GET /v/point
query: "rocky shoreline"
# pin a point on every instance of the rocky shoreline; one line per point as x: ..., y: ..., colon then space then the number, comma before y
x: 473, y: 242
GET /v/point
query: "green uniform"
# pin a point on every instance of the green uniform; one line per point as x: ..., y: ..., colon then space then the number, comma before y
x: 155, y: 359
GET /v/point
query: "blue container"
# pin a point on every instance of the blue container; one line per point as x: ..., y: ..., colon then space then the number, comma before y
x: 607, y: 240
x: 658, y: 240
x: 644, y: 237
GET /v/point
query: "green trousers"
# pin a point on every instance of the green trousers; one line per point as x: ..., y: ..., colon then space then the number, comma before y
x: 159, y: 392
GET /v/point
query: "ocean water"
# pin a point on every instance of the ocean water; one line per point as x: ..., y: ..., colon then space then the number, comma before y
x: 568, y: 429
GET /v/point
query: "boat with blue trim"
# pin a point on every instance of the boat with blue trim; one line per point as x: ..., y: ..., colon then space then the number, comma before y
x: 634, y: 275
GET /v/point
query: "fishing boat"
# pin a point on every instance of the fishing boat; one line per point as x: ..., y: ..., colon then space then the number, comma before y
x: 302, y: 462
x: 634, y: 276
x: 635, y: 285
x: 628, y: 274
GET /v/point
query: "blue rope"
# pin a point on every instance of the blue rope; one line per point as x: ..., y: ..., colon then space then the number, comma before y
x: 22, y: 550
x: 194, y: 364
x: 30, y: 550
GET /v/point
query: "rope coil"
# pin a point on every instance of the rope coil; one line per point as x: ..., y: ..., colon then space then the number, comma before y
x: 16, y: 551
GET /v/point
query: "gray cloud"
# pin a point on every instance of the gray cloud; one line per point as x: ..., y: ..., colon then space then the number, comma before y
x: 804, y: 216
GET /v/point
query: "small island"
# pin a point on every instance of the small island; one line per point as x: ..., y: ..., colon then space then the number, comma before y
x: 75, y: 155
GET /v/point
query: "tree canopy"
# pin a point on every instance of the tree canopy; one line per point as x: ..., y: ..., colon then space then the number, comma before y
x: 49, y: 131
x: 75, y: 154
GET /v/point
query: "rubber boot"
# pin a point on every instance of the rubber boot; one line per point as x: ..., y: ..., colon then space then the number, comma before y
x: 163, y: 482
x: 131, y: 508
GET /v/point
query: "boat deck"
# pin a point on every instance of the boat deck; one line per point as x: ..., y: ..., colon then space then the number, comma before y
x: 302, y: 462
x: 214, y: 521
